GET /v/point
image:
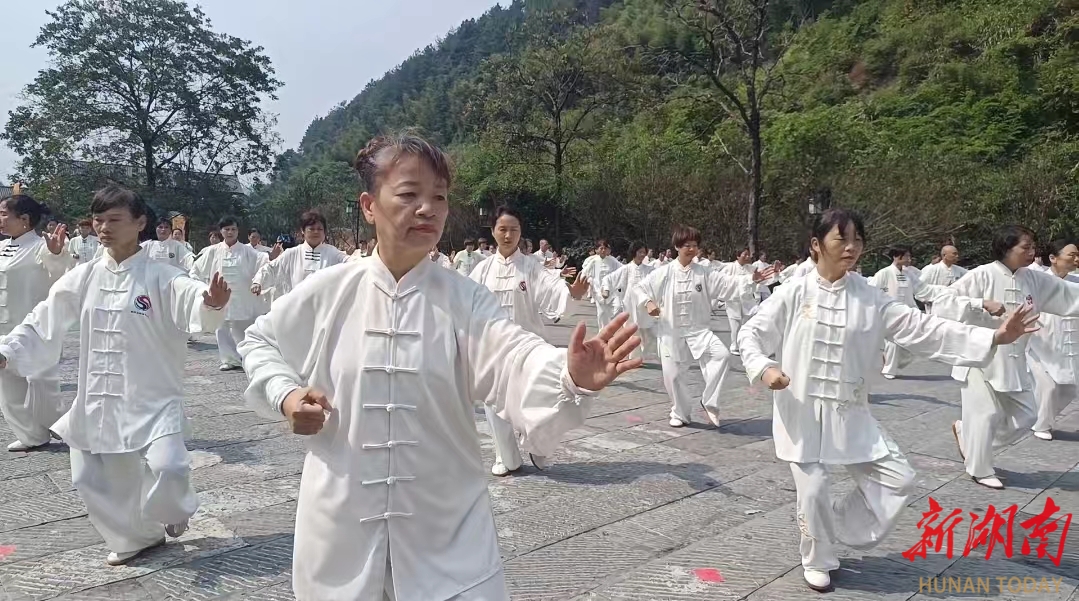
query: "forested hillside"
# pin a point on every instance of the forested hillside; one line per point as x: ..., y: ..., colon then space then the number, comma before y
x: 937, y: 118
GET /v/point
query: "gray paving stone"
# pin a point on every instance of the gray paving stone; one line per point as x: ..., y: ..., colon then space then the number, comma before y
x: 629, y: 509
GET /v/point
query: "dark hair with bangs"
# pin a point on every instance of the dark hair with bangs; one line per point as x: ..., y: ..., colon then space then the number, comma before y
x: 383, y: 151
x: 118, y: 197
x: 837, y: 218
x: 508, y: 211
x: 683, y: 234
x: 312, y: 217
x: 1007, y: 238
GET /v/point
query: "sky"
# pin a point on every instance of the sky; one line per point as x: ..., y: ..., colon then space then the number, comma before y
x: 325, y: 51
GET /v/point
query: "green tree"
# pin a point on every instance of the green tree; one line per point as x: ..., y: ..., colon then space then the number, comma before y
x: 730, y: 49
x: 146, y: 84
x: 541, y: 105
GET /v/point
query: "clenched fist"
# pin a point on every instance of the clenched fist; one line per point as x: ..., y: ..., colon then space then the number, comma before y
x: 306, y: 410
x: 775, y: 379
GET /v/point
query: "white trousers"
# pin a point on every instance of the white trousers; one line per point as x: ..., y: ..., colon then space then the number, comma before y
x: 605, y: 313
x: 648, y: 348
x: 991, y: 420
x: 896, y: 359
x: 862, y: 518
x: 492, y: 589
x: 229, y: 335
x: 506, y: 450
x: 31, y: 407
x: 714, y: 363
x: 735, y: 323
x: 1052, y: 398
x: 131, y: 496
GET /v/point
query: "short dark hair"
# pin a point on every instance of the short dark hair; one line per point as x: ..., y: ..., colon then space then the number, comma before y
x: 1054, y: 248
x: 837, y: 218
x: 508, y: 211
x: 254, y: 230
x: 684, y: 234
x: 24, y: 204
x: 898, y: 251
x: 382, y: 151
x: 636, y: 246
x: 310, y: 218
x: 1008, y: 237
x: 602, y: 242
x: 470, y: 241
x: 224, y: 222
x: 86, y: 221
x: 164, y: 221
x: 118, y: 197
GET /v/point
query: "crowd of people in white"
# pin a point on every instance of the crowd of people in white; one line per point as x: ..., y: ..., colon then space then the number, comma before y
x: 379, y: 358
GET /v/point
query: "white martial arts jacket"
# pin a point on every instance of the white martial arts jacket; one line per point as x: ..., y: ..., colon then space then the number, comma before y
x: 524, y: 288
x: 238, y: 264
x: 396, y: 473
x: 1055, y: 346
x: 594, y: 272
x: 132, y: 318
x: 464, y: 262
x: 83, y: 249
x: 940, y: 274
x: 294, y: 265
x: 27, y: 270
x: 684, y: 296
x: 745, y: 305
x: 1008, y: 371
x: 826, y: 337
x: 441, y: 260
x: 170, y: 251
x: 622, y: 285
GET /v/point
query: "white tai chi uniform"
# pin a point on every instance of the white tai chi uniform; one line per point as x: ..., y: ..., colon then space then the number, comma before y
x: 594, y: 272
x: 238, y: 264
x: 172, y: 252
x: 739, y: 309
x: 998, y: 401
x: 83, y: 248
x: 1053, y: 353
x: 464, y: 262
x: 395, y: 478
x: 622, y: 285
x: 125, y: 429
x: 825, y: 337
x: 940, y: 274
x: 439, y: 258
x: 27, y: 270
x: 684, y: 296
x: 294, y: 265
x: 525, y: 290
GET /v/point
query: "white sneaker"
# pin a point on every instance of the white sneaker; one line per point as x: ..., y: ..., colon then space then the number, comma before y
x: 990, y: 482
x: 499, y: 469
x: 1044, y: 435
x: 957, y: 431
x: 119, y: 559
x: 19, y: 446
x: 736, y: 352
x: 888, y: 376
x: 818, y: 580
x: 677, y: 423
x: 229, y: 367
x: 176, y: 530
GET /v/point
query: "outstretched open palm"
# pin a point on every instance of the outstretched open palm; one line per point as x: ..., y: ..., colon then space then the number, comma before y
x: 596, y: 362
x: 1016, y: 324
x: 57, y: 240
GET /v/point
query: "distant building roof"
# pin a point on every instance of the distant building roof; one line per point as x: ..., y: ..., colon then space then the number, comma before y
x: 5, y: 191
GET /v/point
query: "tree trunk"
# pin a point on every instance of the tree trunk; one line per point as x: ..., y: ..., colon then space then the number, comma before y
x: 558, y: 196
x: 149, y: 165
x: 757, y: 184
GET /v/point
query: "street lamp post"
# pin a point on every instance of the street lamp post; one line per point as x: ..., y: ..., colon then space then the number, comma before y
x: 352, y: 210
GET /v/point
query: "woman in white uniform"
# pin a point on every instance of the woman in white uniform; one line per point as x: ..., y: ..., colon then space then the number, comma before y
x: 1054, y: 349
x: 29, y: 264
x: 525, y: 290
x: 824, y: 330
x: 379, y: 362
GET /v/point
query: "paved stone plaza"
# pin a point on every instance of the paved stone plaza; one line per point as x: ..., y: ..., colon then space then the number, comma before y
x: 631, y: 509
